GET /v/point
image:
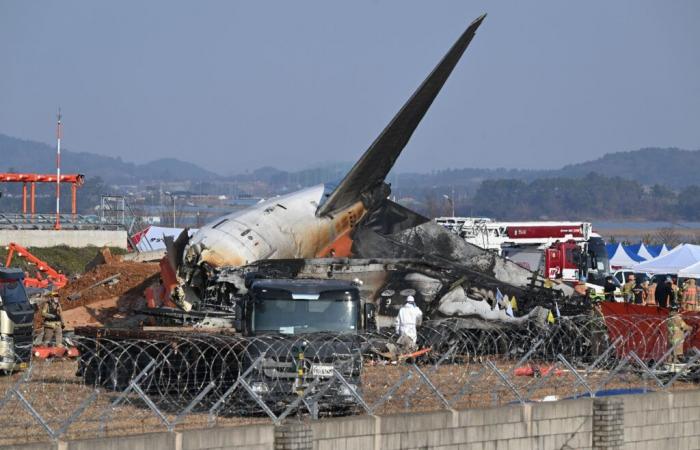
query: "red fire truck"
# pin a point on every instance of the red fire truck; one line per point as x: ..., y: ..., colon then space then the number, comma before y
x: 568, y: 251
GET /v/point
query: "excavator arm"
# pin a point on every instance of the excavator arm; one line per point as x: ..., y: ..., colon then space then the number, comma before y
x: 45, y: 274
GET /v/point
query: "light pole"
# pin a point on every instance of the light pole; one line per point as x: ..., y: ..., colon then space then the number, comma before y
x: 452, y: 203
x: 173, y: 197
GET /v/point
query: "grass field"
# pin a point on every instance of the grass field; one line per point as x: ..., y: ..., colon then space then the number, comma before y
x: 69, y: 260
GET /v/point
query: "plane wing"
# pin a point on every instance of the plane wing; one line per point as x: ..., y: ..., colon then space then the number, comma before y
x: 371, y: 170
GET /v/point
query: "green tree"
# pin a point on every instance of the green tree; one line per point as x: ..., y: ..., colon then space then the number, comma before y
x: 689, y: 203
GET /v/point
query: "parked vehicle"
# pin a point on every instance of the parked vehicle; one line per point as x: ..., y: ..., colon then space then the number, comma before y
x: 620, y: 276
x: 568, y: 251
x: 16, y: 321
x: 294, y: 335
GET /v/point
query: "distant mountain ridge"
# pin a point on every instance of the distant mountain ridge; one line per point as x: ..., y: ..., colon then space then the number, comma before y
x: 671, y: 167
x: 31, y: 156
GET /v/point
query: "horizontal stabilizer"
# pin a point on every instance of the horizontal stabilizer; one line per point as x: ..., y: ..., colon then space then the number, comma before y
x: 371, y: 170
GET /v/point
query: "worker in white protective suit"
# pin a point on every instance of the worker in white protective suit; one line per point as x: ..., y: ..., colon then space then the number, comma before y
x: 410, y: 316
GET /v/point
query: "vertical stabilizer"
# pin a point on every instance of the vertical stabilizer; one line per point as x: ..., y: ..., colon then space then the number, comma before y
x: 371, y: 170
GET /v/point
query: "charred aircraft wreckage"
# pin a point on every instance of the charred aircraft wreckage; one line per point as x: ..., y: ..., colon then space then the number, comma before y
x: 352, y: 231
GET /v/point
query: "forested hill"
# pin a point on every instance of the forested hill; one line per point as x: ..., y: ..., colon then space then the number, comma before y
x: 671, y: 167
x: 30, y: 156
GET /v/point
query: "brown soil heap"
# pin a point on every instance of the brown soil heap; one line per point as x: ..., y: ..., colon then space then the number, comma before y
x: 134, y: 278
x: 108, y: 304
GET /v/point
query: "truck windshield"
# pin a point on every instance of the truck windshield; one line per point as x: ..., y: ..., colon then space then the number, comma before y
x: 598, y: 256
x: 12, y: 292
x: 296, y: 316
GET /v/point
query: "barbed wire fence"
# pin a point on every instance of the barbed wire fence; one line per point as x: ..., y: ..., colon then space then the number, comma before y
x: 132, y: 383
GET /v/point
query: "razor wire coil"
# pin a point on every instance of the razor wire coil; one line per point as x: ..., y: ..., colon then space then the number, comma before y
x: 134, y: 382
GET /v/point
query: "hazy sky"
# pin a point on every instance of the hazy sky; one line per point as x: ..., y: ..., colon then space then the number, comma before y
x: 237, y: 85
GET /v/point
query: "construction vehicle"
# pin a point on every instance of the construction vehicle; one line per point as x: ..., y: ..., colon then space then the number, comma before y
x: 567, y: 251
x: 295, y: 334
x: 45, y: 277
x: 320, y: 311
x: 16, y: 321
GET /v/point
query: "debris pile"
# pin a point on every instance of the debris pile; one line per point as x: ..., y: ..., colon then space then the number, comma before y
x: 107, y: 294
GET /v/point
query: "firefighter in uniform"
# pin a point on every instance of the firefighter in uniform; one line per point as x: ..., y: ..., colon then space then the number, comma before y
x: 53, y: 320
x: 675, y: 293
x: 690, y: 294
x: 676, y: 332
x: 628, y: 289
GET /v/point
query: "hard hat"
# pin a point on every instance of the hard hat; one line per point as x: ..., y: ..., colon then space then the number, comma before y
x: 410, y: 299
x: 53, y: 294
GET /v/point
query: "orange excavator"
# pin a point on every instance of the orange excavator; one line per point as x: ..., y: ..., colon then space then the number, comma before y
x: 45, y: 276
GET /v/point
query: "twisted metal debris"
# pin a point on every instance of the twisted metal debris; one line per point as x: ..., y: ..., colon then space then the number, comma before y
x: 129, y: 382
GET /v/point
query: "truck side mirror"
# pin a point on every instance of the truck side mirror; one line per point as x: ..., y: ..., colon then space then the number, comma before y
x: 370, y: 317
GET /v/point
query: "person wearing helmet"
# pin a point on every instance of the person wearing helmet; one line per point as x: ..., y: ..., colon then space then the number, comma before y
x: 689, y: 295
x: 407, y: 321
x: 677, y: 327
x: 53, y: 320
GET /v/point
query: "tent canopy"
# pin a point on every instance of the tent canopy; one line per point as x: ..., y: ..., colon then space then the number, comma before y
x: 690, y: 271
x: 674, y: 261
x: 611, y: 249
x: 624, y: 258
x: 655, y: 250
x: 640, y: 250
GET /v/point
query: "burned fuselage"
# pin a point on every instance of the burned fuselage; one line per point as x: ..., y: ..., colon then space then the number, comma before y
x: 355, y: 219
x: 440, y: 291
x: 282, y: 227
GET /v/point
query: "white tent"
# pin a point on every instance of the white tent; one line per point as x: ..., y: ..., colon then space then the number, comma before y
x: 611, y: 249
x: 690, y: 271
x: 622, y: 258
x: 639, y: 250
x: 664, y: 250
x: 644, y: 252
x: 679, y: 258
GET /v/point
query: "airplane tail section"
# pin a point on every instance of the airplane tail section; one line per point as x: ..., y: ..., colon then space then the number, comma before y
x: 371, y: 170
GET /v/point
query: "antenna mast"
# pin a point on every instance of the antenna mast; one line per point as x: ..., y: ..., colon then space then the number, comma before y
x: 59, y: 133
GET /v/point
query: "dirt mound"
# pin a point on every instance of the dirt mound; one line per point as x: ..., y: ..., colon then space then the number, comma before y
x: 108, y: 304
x: 133, y: 279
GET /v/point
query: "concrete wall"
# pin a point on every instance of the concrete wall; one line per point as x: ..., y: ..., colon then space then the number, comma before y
x: 253, y: 437
x: 542, y: 426
x: 661, y: 420
x: 71, y: 238
x: 651, y: 421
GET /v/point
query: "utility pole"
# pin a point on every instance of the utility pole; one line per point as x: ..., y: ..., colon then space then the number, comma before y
x: 59, y: 132
x: 451, y: 200
x: 172, y: 197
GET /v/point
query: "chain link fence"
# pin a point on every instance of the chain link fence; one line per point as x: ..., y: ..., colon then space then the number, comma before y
x: 128, y: 382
